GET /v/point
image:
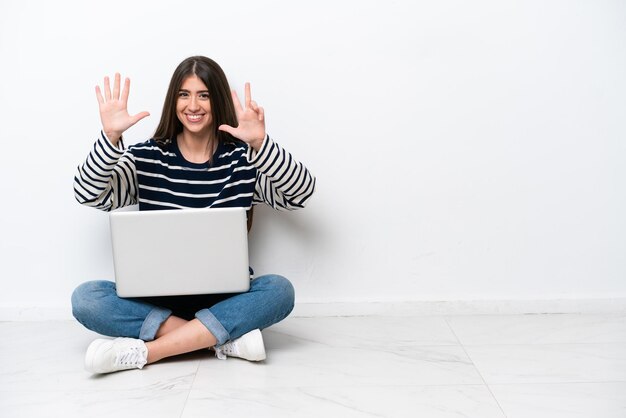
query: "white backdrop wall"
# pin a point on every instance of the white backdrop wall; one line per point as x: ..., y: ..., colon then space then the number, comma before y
x: 463, y: 150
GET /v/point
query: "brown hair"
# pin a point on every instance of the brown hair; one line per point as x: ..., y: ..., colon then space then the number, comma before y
x: 222, y: 108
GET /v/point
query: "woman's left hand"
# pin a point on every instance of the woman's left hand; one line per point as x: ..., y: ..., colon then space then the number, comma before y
x: 251, y: 128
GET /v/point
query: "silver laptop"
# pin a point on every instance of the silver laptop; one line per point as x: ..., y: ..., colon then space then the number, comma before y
x: 180, y: 252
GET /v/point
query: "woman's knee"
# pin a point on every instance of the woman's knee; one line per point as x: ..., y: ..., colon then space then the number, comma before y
x: 88, y: 296
x: 281, y: 287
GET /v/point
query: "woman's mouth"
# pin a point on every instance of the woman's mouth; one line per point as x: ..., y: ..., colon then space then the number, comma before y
x: 193, y: 118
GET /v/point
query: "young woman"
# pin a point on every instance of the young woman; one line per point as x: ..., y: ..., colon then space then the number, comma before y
x: 208, y: 150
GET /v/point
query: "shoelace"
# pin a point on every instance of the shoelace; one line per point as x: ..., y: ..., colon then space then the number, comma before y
x: 132, y: 356
x: 227, y: 349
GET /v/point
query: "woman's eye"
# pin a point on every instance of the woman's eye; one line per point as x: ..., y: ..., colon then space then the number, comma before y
x: 183, y: 94
x: 204, y: 96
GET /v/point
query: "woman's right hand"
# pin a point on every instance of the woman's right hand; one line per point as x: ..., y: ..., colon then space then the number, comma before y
x: 113, y: 112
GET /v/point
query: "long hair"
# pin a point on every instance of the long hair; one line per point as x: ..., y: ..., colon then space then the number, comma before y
x: 222, y: 108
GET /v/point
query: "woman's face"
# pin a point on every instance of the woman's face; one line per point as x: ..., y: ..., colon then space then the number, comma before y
x: 193, y: 106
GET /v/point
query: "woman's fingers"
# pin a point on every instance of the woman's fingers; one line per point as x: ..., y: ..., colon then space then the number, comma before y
x: 236, y: 102
x: 117, y: 94
x: 99, y: 95
x: 258, y: 110
x: 261, y: 113
x: 227, y: 128
x: 126, y: 90
x: 107, y: 89
x: 139, y: 116
x: 248, y: 95
x: 116, y: 87
x: 250, y: 106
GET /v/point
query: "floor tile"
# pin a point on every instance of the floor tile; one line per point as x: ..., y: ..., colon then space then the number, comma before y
x: 93, y: 404
x: 562, y: 400
x: 550, y: 363
x: 381, y: 401
x: 539, y: 329
x: 375, y: 331
x: 316, y: 365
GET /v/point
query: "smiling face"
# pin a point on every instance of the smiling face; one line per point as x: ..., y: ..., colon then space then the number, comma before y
x: 193, y: 107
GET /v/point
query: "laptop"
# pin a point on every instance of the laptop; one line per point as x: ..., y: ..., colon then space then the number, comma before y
x: 180, y: 252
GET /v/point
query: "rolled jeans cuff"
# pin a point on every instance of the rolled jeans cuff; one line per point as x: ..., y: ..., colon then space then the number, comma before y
x: 153, y: 322
x: 214, y: 326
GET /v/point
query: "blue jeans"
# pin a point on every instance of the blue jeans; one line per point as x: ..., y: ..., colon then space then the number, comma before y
x: 96, y: 305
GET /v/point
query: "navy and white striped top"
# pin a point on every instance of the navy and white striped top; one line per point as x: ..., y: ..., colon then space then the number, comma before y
x: 160, y: 178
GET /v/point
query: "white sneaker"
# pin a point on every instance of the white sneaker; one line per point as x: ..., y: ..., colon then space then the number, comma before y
x: 249, y: 347
x: 106, y: 356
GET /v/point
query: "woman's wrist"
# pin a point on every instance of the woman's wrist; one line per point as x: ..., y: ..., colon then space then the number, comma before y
x: 114, y: 137
x: 257, y: 144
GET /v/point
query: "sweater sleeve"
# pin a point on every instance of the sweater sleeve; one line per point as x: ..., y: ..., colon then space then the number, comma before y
x: 282, y: 182
x: 107, y: 179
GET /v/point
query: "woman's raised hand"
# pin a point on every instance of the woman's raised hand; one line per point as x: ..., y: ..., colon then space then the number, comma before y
x: 113, y: 112
x: 251, y: 128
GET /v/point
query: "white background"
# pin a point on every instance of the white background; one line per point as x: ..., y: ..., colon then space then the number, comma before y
x: 463, y: 150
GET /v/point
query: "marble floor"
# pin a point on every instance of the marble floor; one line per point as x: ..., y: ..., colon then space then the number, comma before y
x: 372, y: 366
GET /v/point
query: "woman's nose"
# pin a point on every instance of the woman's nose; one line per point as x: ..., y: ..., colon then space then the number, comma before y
x: 193, y: 104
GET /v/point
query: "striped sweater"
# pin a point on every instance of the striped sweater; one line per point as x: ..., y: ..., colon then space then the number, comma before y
x: 157, y: 178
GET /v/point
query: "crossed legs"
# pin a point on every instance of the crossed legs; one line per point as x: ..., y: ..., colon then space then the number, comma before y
x: 219, y: 319
x: 179, y: 336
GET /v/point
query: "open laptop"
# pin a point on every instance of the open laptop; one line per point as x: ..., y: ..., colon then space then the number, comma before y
x: 180, y: 252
